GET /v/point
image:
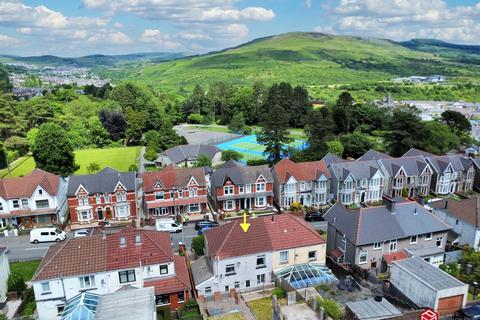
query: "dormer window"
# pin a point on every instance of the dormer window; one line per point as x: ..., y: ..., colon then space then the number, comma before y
x: 123, y: 241
x: 40, y: 191
x: 138, y: 239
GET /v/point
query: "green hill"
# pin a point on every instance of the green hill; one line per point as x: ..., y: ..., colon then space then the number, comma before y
x: 312, y: 59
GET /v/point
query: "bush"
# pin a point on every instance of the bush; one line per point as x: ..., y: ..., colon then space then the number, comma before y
x: 29, y: 308
x: 164, y: 313
x: 295, y: 206
x: 279, y: 292
x: 256, y: 162
x: 330, y: 307
x: 16, y: 283
x: 231, y: 155
x: 133, y: 167
x: 93, y: 167
x: 195, y: 118
x: 198, y: 245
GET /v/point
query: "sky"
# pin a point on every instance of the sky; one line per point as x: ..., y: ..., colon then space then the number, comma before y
x: 82, y: 27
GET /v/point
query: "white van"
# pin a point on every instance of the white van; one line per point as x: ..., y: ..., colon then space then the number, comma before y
x: 168, y: 225
x: 47, y: 235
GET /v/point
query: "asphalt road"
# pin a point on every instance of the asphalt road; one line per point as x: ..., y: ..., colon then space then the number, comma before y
x: 20, y: 248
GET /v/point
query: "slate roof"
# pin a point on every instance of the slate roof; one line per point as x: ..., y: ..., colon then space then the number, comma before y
x: 173, y: 177
x: 12, y: 188
x: 374, y: 224
x: 265, y: 234
x: 202, y: 270
x: 104, y: 181
x: 93, y: 254
x: 440, y: 163
x: 374, y: 155
x: 2, y: 250
x: 359, y: 169
x: 189, y: 152
x: 177, y: 283
x: 413, y: 165
x: 302, y: 171
x: 331, y: 158
x: 467, y: 210
x: 416, y: 152
x: 430, y: 275
x: 239, y: 174
x: 370, y: 309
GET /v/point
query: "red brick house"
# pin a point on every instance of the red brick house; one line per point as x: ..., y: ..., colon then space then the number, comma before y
x: 108, y: 195
x: 235, y: 187
x: 103, y: 264
x: 175, y: 191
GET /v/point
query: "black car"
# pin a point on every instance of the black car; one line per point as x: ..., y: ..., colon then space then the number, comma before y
x: 314, y: 216
x: 469, y: 313
x: 201, y: 224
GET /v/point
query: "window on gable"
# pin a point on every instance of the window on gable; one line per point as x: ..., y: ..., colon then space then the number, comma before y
x: 439, y: 242
x: 42, y: 204
x: 261, y: 261
x: 312, y: 255
x: 228, y: 190
x: 259, y: 187
x: 40, y: 191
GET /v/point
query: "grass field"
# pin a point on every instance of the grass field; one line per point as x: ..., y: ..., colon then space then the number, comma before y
x: 261, y: 308
x: 117, y: 158
x: 25, y: 268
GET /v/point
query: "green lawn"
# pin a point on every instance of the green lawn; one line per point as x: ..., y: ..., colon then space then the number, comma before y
x: 119, y: 158
x: 25, y: 268
x: 261, y: 308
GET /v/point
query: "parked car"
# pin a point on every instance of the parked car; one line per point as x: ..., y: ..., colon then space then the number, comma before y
x: 471, y: 312
x: 168, y: 225
x: 81, y: 233
x: 200, y: 224
x: 314, y: 216
x: 47, y: 235
x: 203, y: 229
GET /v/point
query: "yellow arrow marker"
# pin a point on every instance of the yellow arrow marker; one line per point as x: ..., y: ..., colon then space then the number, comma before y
x: 245, y: 225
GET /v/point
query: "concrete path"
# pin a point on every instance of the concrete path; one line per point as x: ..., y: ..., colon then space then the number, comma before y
x: 12, y: 307
x: 247, y: 313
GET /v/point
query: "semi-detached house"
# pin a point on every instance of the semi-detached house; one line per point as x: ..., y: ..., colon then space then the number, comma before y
x: 103, y: 264
x: 236, y: 187
x: 36, y: 199
x: 175, y: 191
x: 108, y: 195
x: 243, y: 261
x: 372, y: 238
x: 307, y: 183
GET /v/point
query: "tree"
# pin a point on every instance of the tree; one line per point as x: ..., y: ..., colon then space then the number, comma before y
x: 231, y: 155
x: 319, y: 128
x: 32, y: 137
x: 440, y: 138
x: 5, y: 85
x: 275, y: 134
x: 300, y: 106
x: 342, y: 112
x: 405, y: 130
x: 456, y: 121
x: 203, y: 161
x: 3, y: 157
x: 195, y: 118
x: 198, y: 245
x: 355, y: 145
x: 16, y: 283
x: 136, y: 124
x: 335, y: 147
x: 97, y: 133
x: 114, y: 122
x: 53, y: 151
x: 237, y: 124
x: 196, y: 103
x: 93, y: 167
x: 133, y: 167
x: 17, y: 143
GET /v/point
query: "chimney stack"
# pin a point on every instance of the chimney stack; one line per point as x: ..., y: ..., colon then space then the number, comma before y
x: 446, y: 204
x: 390, y: 203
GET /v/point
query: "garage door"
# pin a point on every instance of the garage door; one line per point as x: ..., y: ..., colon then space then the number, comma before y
x: 449, y: 305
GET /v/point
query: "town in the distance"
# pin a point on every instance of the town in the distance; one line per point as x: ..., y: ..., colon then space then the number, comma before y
x: 206, y: 160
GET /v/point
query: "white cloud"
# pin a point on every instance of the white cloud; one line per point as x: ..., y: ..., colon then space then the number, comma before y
x: 406, y: 19
x: 235, y: 30
x: 7, y: 41
x: 308, y: 4
x: 158, y: 39
x: 194, y: 36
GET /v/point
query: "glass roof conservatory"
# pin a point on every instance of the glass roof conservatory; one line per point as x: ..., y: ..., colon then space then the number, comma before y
x: 306, y: 275
x: 81, y: 307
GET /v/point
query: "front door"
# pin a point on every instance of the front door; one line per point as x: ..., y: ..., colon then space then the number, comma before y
x: 100, y: 214
x: 108, y: 213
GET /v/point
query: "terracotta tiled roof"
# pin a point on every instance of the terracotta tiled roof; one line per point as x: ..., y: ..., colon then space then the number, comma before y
x: 265, y: 234
x: 154, y: 248
x: 173, y: 177
x: 12, y: 188
x: 467, y: 210
x: 394, y: 256
x: 179, y: 282
x: 93, y: 254
x: 301, y: 171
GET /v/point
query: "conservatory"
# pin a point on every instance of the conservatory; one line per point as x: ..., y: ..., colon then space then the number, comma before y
x: 306, y: 275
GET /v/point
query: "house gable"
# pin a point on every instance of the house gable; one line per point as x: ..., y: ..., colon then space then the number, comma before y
x: 260, y: 179
x: 81, y: 191
x: 291, y: 180
x: 192, y: 182
x: 120, y: 187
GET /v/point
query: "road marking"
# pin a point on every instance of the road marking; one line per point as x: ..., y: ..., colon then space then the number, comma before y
x: 40, y: 248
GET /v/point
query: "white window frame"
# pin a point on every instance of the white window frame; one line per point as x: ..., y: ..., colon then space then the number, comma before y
x: 192, y: 192
x: 428, y: 236
x: 87, y: 282
x: 377, y: 245
x: 45, y: 286
x: 197, y: 205
x: 231, y: 267
x: 392, y: 246
x: 283, y: 260
x: 314, y: 255
x: 159, y: 196
x: 228, y: 190
x: 89, y: 215
x: 260, y: 187
x: 363, y: 256
x: 441, y: 242
x: 260, y: 202
x: 122, y: 211
x: 412, y: 241
x: 98, y: 199
x: 226, y: 206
